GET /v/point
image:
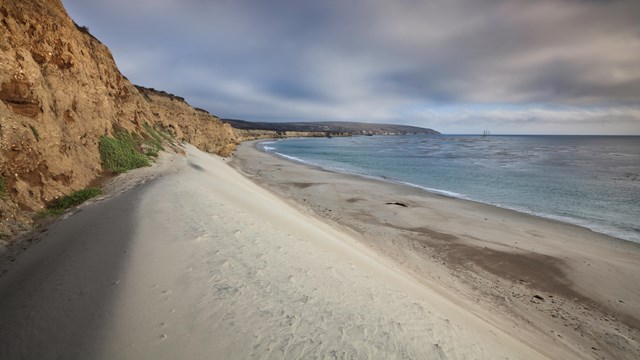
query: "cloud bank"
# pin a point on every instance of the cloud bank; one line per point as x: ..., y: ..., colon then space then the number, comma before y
x: 546, y: 66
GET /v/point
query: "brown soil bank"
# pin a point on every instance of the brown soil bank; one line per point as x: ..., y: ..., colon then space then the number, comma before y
x: 60, y: 91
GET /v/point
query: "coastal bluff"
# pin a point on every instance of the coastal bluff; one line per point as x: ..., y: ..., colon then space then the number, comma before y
x: 60, y: 92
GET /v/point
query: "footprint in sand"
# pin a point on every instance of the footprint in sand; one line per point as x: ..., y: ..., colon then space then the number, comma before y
x: 166, y: 294
x: 224, y: 291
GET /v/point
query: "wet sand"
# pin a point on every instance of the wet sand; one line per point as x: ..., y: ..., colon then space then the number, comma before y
x: 560, y: 288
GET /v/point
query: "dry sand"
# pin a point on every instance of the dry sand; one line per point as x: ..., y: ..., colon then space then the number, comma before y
x: 191, y: 260
x: 564, y: 290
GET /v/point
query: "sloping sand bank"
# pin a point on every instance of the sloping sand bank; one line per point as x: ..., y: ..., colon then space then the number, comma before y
x: 558, y: 287
x: 199, y: 262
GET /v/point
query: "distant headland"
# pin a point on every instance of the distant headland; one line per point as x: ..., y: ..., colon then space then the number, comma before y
x: 332, y: 127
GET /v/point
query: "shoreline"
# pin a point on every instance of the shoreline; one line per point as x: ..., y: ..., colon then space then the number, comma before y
x: 540, y: 271
x: 453, y: 195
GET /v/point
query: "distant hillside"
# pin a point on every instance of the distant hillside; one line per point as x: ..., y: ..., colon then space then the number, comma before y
x: 354, y: 128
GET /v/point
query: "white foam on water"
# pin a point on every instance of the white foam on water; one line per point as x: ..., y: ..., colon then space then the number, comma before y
x: 263, y: 145
x: 437, y: 191
x: 293, y: 158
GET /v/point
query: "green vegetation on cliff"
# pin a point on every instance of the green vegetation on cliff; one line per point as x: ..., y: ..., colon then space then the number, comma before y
x: 75, y: 198
x: 120, y: 153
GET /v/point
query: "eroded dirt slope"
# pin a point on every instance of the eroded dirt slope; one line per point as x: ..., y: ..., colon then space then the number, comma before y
x: 60, y: 91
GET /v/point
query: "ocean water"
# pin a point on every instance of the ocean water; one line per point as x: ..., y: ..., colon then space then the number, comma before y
x: 592, y: 181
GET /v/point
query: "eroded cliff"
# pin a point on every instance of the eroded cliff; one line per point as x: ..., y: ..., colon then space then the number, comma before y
x: 193, y: 125
x: 60, y: 91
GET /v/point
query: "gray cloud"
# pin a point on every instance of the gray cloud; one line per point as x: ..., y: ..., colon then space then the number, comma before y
x: 381, y: 60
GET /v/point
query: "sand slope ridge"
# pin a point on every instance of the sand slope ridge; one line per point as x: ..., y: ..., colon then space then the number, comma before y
x: 213, y: 266
x: 240, y: 274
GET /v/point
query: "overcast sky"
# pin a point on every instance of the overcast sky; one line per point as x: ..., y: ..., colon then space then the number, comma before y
x: 457, y: 66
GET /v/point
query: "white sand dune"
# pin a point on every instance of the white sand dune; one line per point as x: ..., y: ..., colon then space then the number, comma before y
x: 202, y: 263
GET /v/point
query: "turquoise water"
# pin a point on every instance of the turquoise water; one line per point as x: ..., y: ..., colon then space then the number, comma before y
x: 592, y: 181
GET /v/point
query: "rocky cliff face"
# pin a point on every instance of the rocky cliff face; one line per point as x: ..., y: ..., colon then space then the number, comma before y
x: 60, y: 91
x: 195, y: 126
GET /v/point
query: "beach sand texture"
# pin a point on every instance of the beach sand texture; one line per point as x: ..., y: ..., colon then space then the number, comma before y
x: 192, y: 260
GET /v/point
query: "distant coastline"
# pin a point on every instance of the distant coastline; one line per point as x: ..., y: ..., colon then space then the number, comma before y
x: 332, y: 127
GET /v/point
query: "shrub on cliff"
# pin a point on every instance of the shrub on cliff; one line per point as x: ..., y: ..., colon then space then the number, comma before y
x: 57, y: 207
x: 75, y: 198
x: 154, y: 138
x: 119, y: 153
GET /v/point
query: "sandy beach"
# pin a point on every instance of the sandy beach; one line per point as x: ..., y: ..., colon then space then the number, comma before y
x: 560, y: 288
x: 191, y: 259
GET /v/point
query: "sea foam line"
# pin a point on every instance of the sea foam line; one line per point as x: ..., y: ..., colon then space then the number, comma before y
x: 616, y: 231
x: 610, y: 230
x: 374, y: 177
x: 432, y: 190
x: 293, y: 158
x: 264, y: 146
x: 606, y: 229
